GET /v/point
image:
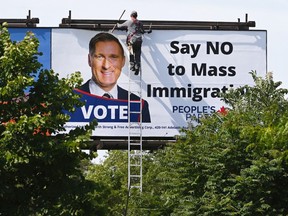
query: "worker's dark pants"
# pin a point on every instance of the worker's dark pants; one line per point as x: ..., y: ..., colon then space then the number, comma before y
x: 135, y: 57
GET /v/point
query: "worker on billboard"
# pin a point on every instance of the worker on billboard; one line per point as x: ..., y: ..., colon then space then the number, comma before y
x: 135, y: 31
x: 106, y: 58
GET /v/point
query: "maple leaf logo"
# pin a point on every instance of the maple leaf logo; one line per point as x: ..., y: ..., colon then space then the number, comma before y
x: 223, y: 111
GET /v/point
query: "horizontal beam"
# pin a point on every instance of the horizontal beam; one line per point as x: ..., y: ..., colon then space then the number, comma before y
x: 121, y: 143
x: 20, y: 22
x: 158, y: 25
x: 28, y: 22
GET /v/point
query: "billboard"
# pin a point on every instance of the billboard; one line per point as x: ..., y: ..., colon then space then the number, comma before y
x: 182, y: 73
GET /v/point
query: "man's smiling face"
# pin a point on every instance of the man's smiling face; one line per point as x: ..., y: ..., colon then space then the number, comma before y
x: 106, y: 64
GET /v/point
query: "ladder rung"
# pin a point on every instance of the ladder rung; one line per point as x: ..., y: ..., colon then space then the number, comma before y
x: 135, y: 144
x: 135, y: 92
x: 135, y: 132
x: 136, y: 101
x: 137, y: 112
x: 135, y: 165
x: 135, y: 186
x: 136, y: 154
x: 135, y: 176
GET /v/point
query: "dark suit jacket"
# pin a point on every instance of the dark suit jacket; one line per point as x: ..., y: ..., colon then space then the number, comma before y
x: 123, y: 95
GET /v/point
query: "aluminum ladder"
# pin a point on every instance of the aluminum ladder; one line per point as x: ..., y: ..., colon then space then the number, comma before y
x: 135, y: 151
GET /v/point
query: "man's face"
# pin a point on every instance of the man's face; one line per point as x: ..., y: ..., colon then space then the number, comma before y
x: 106, y: 64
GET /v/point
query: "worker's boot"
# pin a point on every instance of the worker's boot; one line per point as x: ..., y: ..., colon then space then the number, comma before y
x: 137, y: 68
x: 132, y: 66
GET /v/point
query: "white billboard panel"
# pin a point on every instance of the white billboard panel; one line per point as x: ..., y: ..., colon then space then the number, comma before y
x: 182, y: 73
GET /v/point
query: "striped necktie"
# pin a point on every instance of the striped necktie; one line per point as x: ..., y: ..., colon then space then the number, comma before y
x: 107, y: 95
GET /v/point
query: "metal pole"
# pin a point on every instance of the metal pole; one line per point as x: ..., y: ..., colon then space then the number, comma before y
x: 118, y: 21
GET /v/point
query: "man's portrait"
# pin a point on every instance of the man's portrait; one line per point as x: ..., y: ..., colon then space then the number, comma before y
x: 106, y: 59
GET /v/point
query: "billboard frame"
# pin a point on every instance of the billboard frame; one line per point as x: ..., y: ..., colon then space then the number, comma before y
x: 149, y: 143
x: 106, y: 25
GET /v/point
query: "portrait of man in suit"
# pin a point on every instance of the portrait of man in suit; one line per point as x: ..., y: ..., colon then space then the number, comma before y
x: 106, y: 59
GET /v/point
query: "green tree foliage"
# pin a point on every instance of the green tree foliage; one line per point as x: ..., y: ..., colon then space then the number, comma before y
x: 40, y: 167
x: 111, y: 178
x: 233, y: 162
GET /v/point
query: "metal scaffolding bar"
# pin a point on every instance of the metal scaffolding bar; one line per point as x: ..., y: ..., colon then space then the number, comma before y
x: 103, y: 25
x: 28, y: 22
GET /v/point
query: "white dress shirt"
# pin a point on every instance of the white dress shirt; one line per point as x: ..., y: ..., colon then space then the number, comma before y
x: 96, y: 90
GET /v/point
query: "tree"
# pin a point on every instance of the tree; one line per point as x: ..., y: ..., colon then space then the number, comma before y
x: 40, y: 166
x: 234, y: 162
x: 111, y: 177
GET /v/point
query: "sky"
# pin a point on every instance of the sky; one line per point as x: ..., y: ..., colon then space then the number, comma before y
x: 270, y: 15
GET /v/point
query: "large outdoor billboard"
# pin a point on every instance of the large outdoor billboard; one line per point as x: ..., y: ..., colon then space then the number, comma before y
x: 182, y: 73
